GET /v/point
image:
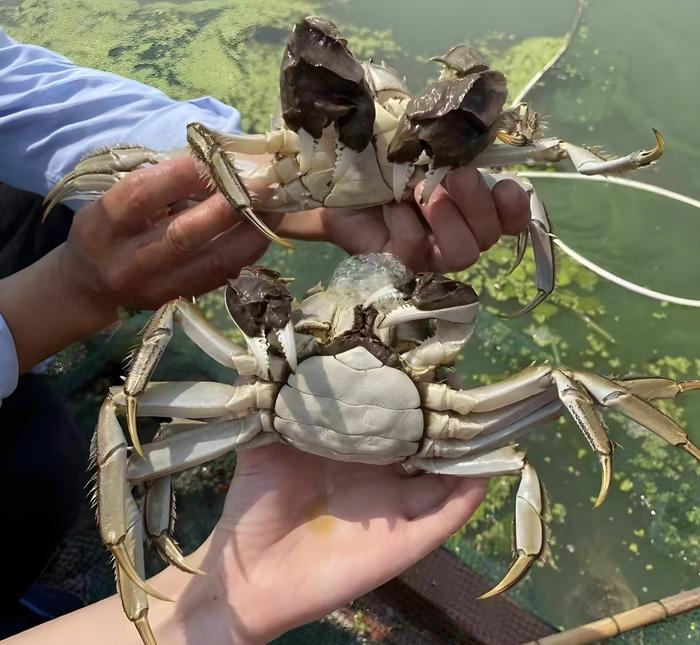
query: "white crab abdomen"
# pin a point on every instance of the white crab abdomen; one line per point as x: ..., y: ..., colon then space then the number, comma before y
x: 350, y: 407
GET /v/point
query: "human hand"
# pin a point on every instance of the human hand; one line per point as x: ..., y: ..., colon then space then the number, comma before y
x: 301, y: 535
x: 446, y: 234
x: 127, y: 249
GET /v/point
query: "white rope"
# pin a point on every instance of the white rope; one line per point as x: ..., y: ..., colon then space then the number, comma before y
x: 625, y: 284
x: 619, y: 181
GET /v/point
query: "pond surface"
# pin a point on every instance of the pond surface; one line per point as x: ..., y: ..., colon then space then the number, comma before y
x: 633, y: 66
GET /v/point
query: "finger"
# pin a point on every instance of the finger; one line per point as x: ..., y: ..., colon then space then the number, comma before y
x: 430, y: 530
x: 457, y: 246
x: 512, y: 205
x: 406, y: 234
x: 142, y: 197
x: 188, y: 231
x: 421, y: 494
x: 221, y: 259
x: 473, y: 198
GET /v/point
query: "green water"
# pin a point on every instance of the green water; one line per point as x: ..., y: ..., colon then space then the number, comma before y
x: 633, y: 66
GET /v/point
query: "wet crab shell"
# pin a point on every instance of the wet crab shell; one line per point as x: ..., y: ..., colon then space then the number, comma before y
x: 350, y: 407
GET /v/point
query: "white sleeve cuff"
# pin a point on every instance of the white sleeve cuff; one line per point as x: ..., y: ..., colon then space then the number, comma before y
x: 9, y: 368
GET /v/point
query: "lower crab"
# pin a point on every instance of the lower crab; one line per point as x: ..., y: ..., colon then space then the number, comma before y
x: 361, y: 372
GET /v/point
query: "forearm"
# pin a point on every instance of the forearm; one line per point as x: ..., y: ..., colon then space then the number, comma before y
x: 193, y: 618
x: 43, y: 315
x: 41, y: 143
x: 203, y: 611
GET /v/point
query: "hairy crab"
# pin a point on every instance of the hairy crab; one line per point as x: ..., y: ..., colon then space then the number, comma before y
x: 350, y: 134
x: 359, y: 372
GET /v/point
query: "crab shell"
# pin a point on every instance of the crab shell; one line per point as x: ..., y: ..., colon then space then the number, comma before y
x: 370, y: 412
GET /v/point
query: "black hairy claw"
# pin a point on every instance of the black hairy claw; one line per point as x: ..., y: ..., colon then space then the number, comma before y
x: 436, y: 291
x: 321, y: 82
x: 455, y: 118
x: 258, y: 301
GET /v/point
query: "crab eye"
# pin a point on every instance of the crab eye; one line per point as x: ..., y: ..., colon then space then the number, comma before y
x: 258, y: 301
x: 436, y: 291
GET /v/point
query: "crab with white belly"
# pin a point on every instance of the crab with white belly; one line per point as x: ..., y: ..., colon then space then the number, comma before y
x: 359, y: 372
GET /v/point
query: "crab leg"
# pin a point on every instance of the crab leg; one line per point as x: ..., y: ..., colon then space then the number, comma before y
x: 526, y: 383
x: 99, y: 171
x: 582, y: 410
x: 159, y: 520
x: 530, y: 501
x: 199, y: 399
x: 552, y: 149
x: 611, y: 395
x: 588, y: 163
x: 578, y: 392
x: 209, y: 148
x: 120, y: 520
x: 503, y: 461
x: 652, y: 388
x: 157, y: 335
x: 490, y: 440
x: 446, y: 426
x: 539, y: 232
x: 192, y: 447
x: 530, y: 530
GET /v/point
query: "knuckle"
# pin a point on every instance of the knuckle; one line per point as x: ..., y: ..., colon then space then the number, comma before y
x: 136, y: 187
x: 117, y: 279
x: 177, y: 240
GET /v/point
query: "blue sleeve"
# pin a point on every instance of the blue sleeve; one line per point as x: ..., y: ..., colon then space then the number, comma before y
x: 53, y: 113
x: 9, y: 369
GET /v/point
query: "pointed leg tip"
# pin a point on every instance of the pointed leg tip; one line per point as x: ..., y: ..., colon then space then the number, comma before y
x: 491, y: 593
x: 144, y: 629
x: 692, y: 449
x: 131, y: 405
x: 606, y: 479
x: 688, y: 386
x: 127, y: 566
x: 514, y: 575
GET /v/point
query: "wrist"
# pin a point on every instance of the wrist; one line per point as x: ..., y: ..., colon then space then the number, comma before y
x: 97, y: 309
x: 44, y: 314
x: 220, y: 607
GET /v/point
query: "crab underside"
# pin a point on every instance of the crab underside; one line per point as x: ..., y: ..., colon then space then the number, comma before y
x: 350, y: 134
x: 356, y: 372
